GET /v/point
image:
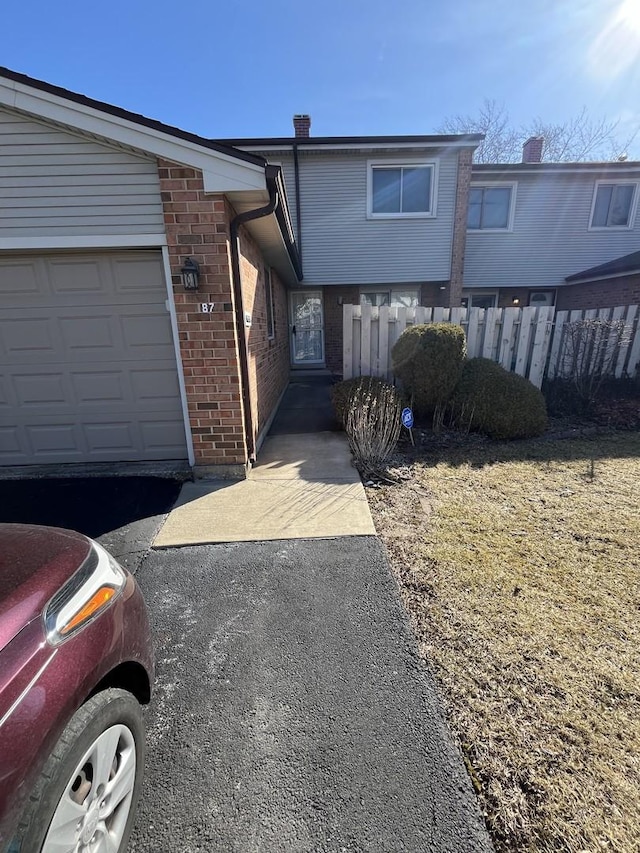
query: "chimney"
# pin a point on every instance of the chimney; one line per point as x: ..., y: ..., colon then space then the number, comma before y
x: 301, y: 125
x: 532, y: 149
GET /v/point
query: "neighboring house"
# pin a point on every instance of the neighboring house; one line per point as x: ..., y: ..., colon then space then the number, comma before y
x: 377, y: 219
x: 553, y: 233
x: 106, y: 357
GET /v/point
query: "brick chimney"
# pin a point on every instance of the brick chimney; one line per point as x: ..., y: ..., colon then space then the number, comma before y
x: 302, y: 125
x: 532, y: 149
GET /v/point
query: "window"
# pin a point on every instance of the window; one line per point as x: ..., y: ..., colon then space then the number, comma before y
x: 542, y: 297
x: 401, y: 190
x: 490, y: 208
x: 479, y: 300
x: 395, y: 298
x: 271, y: 330
x: 613, y: 205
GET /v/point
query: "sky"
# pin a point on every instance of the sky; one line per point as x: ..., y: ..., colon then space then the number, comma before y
x: 224, y: 68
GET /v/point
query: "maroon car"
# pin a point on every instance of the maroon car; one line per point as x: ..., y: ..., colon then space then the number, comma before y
x: 75, y: 666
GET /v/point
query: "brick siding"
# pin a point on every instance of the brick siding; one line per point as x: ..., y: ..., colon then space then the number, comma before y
x: 269, y: 359
x: 198, y: 226
x: 624, y: 290
x: 452, y: 295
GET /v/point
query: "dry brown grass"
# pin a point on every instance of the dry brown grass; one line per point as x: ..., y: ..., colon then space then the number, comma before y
x: 521, y: 567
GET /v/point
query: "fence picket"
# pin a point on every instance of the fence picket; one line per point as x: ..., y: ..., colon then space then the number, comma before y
x: 556, y: 346
x: 473, y: 337
x: 628, y: 337
x: 347, y: 341
x: 524, y: 339
x: 491, y: 318
x: 383, y: 342
x: 365, y: 340
x: 633, y: 364
x: 505, y: 352
x: 541, y: 341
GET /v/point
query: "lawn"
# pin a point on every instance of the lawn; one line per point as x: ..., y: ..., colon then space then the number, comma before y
x: 520, y: 566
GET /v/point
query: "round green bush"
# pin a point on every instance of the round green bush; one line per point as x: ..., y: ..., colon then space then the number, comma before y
x: 501, y: 404
x: 428, y: 360
x: 343, y: 392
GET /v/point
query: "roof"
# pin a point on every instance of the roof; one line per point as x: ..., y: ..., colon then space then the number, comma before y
x: 471, y: 139
x: 626, y: 264
x: 137, y: 118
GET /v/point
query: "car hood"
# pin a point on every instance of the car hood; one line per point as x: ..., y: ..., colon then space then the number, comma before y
x: 34, y: 563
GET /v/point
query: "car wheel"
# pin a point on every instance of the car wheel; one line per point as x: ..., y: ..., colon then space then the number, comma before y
x: 86, y: 796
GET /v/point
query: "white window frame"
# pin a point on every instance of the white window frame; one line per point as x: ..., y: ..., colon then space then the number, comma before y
x: 270, y: 307
x: 409, y: 162
x: 389, y: 291
x: 469, y: 294
x: 490, y: 185
x: 632, y: 209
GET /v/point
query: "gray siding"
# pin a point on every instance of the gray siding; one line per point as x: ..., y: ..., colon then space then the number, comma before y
x: 341, y: 246
x: 550, y: 238
x: 54, y: 183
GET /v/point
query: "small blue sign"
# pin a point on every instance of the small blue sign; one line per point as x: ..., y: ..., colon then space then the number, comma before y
x: 407, y: 418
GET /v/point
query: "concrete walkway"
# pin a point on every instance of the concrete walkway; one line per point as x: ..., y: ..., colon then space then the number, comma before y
x: 304, y: 487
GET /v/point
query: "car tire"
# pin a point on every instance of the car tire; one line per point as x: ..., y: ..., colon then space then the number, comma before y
x: 90, y: 784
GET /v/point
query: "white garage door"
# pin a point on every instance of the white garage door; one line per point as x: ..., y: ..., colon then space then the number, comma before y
x: 88, y: 362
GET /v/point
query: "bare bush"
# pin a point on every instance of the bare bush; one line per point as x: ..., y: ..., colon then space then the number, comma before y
x: 590, y: 349
x: 373, y: 425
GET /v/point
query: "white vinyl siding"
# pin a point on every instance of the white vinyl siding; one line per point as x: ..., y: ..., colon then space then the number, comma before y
x: 551, y: 236
x: 54, y: 183
x: 341, y: 245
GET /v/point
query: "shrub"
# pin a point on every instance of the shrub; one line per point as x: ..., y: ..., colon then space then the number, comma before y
x: 499, y: 403
x: 342, y: 393
x: 373, y: 423
x: 428, y: 360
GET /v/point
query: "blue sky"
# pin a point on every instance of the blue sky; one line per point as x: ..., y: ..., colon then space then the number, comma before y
x: 223, y: 68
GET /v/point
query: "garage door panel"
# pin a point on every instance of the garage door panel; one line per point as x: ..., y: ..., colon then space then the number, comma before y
x: 24, y: 336
x: 91, y: 374
x: 48, y: 389
x: 77, y: 277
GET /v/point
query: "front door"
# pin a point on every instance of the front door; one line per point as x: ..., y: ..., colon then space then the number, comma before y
x: 307, y: 327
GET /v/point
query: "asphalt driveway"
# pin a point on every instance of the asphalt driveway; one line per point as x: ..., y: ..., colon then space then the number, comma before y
x: 291, y: 712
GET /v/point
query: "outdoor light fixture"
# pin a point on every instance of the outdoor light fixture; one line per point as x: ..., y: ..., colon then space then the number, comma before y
x: 515, y: 300
x: 190, y: 273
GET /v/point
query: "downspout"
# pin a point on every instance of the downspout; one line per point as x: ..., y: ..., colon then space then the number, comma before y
x: 296, y: 172
x: 234, y: 228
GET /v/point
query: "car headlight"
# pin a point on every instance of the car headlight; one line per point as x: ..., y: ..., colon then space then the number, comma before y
x: 93, y: 588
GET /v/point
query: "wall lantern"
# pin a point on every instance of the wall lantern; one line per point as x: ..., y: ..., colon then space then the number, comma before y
x: 190, y: 273
x: 515, y: 300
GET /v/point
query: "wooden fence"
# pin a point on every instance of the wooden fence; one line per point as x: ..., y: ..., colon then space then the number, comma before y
x: 528, y: 341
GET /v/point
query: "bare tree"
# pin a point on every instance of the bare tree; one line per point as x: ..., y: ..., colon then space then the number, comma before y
x: 580, y: 138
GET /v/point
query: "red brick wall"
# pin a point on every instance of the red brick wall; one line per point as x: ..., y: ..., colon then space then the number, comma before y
x: 197, y: 226
x: 624, y: 290
x: 434, y: 295
x: 269, y: 359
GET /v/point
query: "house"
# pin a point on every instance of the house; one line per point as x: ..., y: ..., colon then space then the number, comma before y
x: 563, y: 234
x: 157, y: 287
x: 105, y: 218
x: 409, y: 220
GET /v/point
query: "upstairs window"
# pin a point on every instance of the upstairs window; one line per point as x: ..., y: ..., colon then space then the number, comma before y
x: 401, y: 190
x: 613, y: 205
x: 490, y: 208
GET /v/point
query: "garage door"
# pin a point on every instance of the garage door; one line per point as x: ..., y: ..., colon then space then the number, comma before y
x: 88, y: 362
